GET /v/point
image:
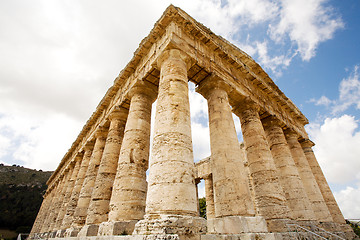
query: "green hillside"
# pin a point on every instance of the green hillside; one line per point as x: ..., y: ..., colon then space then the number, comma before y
x: 21, y: 192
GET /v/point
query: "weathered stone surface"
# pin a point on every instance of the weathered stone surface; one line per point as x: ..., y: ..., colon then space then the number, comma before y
x: 269, y: 177
x: 89, y: 180
x: 103, y: 187
x: 269, y: 196
x: 231, y: 191
x: 312, y: 189
x: 290, y: 180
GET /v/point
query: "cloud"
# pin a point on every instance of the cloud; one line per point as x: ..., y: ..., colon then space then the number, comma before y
x: 337, y: 148
x: 349, y: 94
x: 307, y: 23
x: 348, y: 199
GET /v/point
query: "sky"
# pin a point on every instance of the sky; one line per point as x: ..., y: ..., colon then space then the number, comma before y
x: 58, y: 58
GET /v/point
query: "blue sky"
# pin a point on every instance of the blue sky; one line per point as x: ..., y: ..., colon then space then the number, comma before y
x: 58, y: 58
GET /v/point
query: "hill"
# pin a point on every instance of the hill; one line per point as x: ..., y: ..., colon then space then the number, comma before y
x: 21, y: 192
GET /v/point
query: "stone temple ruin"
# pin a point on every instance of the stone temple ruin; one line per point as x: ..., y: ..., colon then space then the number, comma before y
x: 270, y: 187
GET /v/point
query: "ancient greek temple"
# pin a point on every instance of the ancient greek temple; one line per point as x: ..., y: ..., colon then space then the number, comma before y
x: 268, y: 187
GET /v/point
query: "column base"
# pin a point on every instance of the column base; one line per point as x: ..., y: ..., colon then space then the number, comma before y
x: 117, y: 228
x: 185, y: 226
x: 60, y: 233
x: 279, y: 225
x: 72, y: 232
x: 89, y: 230
x: 237, y: 225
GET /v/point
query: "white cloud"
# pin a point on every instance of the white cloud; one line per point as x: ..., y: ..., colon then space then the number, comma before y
x: 348, y: 202
x: 307, y: 23
x: 337, y: 148
x: 349, y: 94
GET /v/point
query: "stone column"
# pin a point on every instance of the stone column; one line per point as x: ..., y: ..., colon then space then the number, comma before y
x: 52, y: 200
x: 231, y: 191
x: 171, y: 188
x: 61, y: 196
x: 68, y: 191
x: 209, y: 196
x: 69, y: 216
x: 269, y: 196
x: 129, y: 193
x: 99, y: 205
x: 89, y: 181
x: 55, y: 203
x: 288, y: 174
x: 312, y: 189
x: 322, y: 183
x: 40, y: 218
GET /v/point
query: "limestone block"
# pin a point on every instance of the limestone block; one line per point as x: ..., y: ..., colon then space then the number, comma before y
x: 117, y: 228
x: 237, y: 225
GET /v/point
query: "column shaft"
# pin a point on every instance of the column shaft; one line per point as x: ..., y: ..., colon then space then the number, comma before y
x: 70, y: 210
x: 59, y: 203
x: 129, y: 192
x: 231, y: 191
x: 52, y: 200
x: 312, y: 189
x: 99, y: 205
x: 209, y: 196
x: 269, y: 196
x: 288, y: 174
x: 89, y: 181
x: 68, y: 191
x: 172, y: 171
x: 322, y: 183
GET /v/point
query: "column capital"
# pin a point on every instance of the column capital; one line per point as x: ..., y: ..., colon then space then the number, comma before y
x: 174, y: 54
x: 211, y: 83
x: 246, y: 104
x: 101, y: 131
x: 307, y: 143
x: 271, y: 120
x: 119, y: 112
x: 89, y: 146
x: 290, y: 133
x: 144, y: 87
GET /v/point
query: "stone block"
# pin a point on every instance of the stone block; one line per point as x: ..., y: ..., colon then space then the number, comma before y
x: 89, y: 230
x: 237, y: 225
x: 117, y: 228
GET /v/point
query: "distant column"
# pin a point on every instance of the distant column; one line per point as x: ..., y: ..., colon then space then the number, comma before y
x: 209, y: 196
x: 231, y: 190
x: 312, y: 189
x: 68, y: 191
x: 269, y: 196
x: 321, y: 181
x: 40, y: 218
x: 70, y: 210
x: 100, y: 199
x: 288, y: 173
x: 89, y: 181
x: 52, y: 200
x: 129, y: 192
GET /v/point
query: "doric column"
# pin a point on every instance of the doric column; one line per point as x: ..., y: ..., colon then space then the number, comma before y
x: 70, y: 210
x: 68, y: 191
x: 40, y: 218
x: 129, y: 192
x: 322, y: 183
x: 288, y: 174
x: 209, y: 196
x: 269, y: 196
x: 231, y: 191
x: 171, y: 187
x: 52, y: 200
x: 60, y: 201
x: 89, y: 181
x: 312, y: 189
x: 171, y: 176
x: 99, y: 205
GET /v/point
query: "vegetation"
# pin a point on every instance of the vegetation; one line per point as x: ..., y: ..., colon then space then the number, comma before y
x: 21, y: 191
x: 202, y: 207
x: 355, y: 227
